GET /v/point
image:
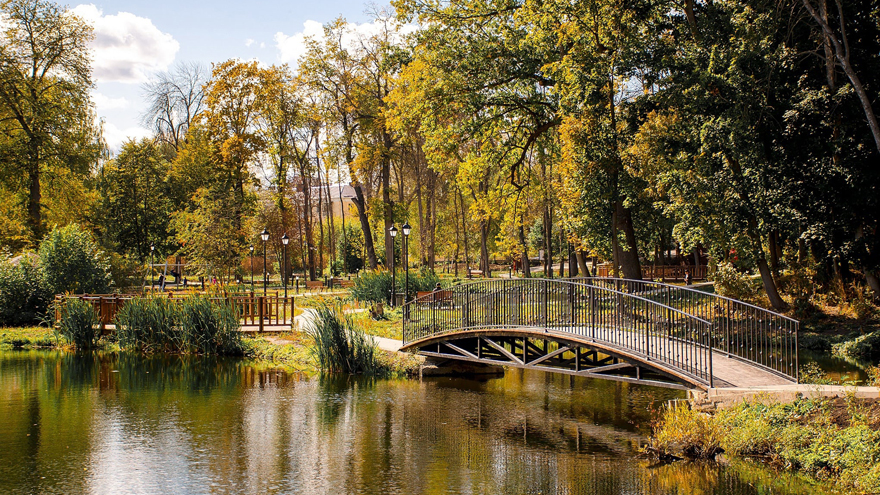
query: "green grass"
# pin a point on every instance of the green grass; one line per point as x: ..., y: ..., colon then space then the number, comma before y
x: 27, y: 337
x: 835, y: 440
x: 291, y: 353
x: 391, y: 328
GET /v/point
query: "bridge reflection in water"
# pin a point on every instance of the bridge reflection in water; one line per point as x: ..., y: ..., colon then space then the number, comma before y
x: 618, y: 329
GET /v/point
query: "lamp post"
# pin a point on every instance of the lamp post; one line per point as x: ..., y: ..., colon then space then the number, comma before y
x: 252, y: 269
x: 393, y: 232
x: 264, y: 235
x: 406, y: 229
x: 284, y: 241
x: 152, y: 248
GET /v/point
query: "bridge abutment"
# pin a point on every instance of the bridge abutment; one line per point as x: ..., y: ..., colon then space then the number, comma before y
x: 452, y: 367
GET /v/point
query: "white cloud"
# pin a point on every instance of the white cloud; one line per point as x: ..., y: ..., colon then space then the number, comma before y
x: 248, y: 42
x: 127, y: 48
x: 291, y: 48
x: 104, y: 103
x: 115, y: 136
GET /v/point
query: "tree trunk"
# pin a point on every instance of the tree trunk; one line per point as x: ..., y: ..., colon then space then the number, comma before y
x: 388, y: 206
x: 432, y: 219
x: 484, y: 248
x: 423, y: 227
x: 582, y: 263
x: 310, y: 241
x: 467, y: 259
x: 562, y: 254
x: 361, y: 205
x: 524, y: 258
x: 548, y: 243
x: 841, y: 53
x: 35, y: 197
x: 629, y: 256
x: 774, y: 253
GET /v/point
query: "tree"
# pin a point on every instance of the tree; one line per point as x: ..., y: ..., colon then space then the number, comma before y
x: 232, y: 109
x: 137, y: 200
x: 45, y: 79
x: 175, y: 101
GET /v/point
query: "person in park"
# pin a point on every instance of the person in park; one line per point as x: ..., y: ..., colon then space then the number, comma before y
x: 687, y: 277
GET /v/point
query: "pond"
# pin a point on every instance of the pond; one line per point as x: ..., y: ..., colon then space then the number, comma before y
x: 122, y: 423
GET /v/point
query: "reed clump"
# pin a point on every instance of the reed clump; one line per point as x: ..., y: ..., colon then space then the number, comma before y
x: 78, y: 323
x: 194, y: 325
x: 339, y: 344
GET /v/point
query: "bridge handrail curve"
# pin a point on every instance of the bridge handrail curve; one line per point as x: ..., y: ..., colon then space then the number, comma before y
x: 645, y: 327
x: 691, y: 290
x: 427, y: 297
x: 737, y: 329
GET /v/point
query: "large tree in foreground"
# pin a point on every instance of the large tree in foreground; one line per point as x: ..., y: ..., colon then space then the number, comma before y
x: 45, y: 79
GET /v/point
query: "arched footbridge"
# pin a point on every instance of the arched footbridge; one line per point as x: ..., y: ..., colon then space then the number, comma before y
x: 626, y: 330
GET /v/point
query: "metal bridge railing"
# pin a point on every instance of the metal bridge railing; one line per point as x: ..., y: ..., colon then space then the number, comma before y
x: 628, y: 321
x: 739, y: 330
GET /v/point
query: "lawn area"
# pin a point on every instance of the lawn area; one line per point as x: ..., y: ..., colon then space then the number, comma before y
x: 391, y: 328
x: 27, y: 337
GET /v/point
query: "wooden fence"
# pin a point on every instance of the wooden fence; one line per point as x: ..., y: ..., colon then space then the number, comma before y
x: 255, y: 312
x: 661, y: 272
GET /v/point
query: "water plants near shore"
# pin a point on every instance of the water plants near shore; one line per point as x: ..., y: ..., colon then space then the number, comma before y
x: 340, y: 345
x: 830, y: 439
x: 192, y: 325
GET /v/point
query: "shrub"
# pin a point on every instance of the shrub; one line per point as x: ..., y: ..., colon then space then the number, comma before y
x: 339, y: 344
x: 192, y: 325
x: 375, y: 286
x: 78, y: 323
x: 24, y: 297
x: 689, y: 432
x: 864, y: 347
x: 862, y: 302
x: 730, y: 282
x: 72, y: 262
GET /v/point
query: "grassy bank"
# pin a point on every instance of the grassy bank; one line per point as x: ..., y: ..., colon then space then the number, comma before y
x: 288, y: 351
x: 836, y: 440
x: 27, y: 338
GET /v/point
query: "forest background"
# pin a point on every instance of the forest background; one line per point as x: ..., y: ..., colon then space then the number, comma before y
x: 611, y: 130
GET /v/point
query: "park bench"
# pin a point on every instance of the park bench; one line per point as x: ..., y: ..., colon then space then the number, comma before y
x: 476, y: 273
x: 316, y: 285
x: 341, y: 283
x: 438, y: 298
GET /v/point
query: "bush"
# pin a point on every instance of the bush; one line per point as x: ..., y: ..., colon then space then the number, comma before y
x: 24, y: 297
x: 72, y: 262
x: 730, y: 282
x: 375, y: 286
x: 79, y: 323
x: 864, y: 347
x: 688, y: 432
x: 192, y: 325
x: 798, y: 435
x: 339, y: 344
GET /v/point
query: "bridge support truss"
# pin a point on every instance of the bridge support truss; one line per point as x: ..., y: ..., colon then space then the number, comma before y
x: 547, y: 353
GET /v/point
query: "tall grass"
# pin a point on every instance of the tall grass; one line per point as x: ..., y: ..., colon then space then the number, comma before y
x: 79, y: 323
x: 340, y: 345
x: 195, y: 324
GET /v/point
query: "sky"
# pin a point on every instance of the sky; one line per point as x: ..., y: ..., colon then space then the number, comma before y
x: 134, y: 39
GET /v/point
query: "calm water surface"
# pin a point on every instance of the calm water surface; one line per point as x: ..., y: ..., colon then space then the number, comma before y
x: 107, y: 423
